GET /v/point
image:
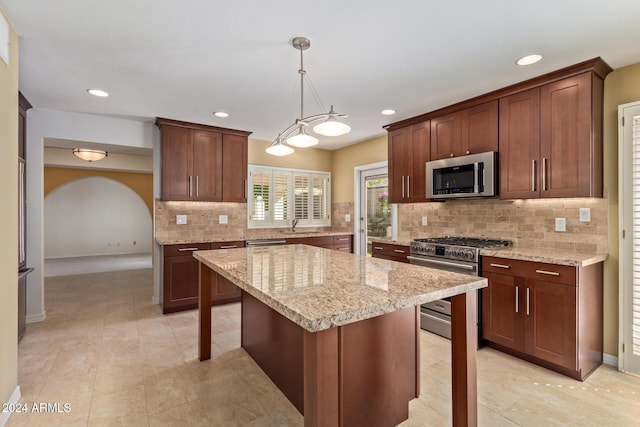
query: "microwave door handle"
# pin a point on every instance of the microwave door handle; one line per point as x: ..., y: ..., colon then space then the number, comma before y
x: 476, y: 184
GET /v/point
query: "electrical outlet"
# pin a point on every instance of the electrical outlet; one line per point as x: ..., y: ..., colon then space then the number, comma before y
x: 223, y: 219
x: 585, y: 214
x: 561, y: 224
x: 181, y: 219
x: 347, y: 218
x: 424, y: 220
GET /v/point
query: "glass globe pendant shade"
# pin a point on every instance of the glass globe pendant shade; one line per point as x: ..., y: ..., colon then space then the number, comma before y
x: 302, y: 139
x: 279, y: 149
x: 331, y: 127
x: 89, y: 155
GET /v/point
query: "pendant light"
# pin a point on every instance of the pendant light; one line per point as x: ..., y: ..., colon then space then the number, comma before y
x: 296, y: 134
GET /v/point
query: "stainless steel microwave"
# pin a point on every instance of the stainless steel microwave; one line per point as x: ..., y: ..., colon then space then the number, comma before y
x: 466, y: 176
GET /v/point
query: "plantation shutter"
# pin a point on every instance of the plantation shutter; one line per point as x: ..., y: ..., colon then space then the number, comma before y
x: 301, y: 196
x: 281, y: 196
x: 636, y: 234
x: 319, y: 190
x: 260, y: 182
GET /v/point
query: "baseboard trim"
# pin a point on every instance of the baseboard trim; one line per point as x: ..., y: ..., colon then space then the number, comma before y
x: 610, y: 359
x: 35, y: 318
x: 14, y: 399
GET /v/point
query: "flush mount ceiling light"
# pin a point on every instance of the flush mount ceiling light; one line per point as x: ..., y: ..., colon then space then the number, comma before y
x: 221, y: 114
x: 529, y: 59
x: 89, y: 155
x: 98, y: 92
x: 326, y: 124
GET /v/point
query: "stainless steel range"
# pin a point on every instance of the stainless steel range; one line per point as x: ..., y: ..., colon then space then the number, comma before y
x: 456, y: 254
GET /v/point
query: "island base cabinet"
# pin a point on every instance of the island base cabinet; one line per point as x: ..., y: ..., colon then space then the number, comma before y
x: 333, y: 377
x: 555, y: 323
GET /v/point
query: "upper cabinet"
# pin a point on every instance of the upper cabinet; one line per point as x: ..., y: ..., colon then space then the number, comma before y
x: 469, y: 131
x: 409, y: 150
x: 203, y: 163
x: 547, y: 131
x: 551, y: 140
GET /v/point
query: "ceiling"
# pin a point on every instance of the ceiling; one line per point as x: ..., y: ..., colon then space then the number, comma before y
x: 185, y: 60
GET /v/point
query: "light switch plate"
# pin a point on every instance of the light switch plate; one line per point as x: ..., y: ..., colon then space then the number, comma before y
x: 561, y: 224
x: 585, y: 214
x: 223, y: 219
x: 347, y: 218
x: 181, y: 219
x: 424, y: 220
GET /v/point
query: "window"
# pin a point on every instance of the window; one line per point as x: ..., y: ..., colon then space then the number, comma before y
x: 277, y: 196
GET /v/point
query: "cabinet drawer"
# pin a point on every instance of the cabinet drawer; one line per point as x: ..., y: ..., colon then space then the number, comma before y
x: 228, y: 245
x: 383, y: 250
x: 531, y: 270
x: 181, y: 250
x: 322, y: 241
x: 342, y: 240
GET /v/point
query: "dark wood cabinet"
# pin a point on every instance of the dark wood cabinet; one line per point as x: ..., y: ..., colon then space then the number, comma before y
x: 545, y: 313
x: 223, y: 290
x: 343, y: 243
x: 545, y: 129
x: 203, y: 163
x: 468, y: 131
x: 409, y: 149
x: 180, y: 277
x: 390, y: 251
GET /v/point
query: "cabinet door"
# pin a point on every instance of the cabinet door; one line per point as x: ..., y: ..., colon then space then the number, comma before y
x: 234, y: 168
x: 445, y: 136
x: 502, y: 321
x: 180, y: 279
x: 176, y: 163
x: 399, y: 147
x: 207, y: 166
x: 566, y: 151
x: 520, y: 145
x: 550, y: 322
x: 420, y: 154
x: 224, y: 291
x: 479, y: 129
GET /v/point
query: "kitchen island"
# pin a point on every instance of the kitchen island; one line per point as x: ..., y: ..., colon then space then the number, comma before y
x: 339, y: 333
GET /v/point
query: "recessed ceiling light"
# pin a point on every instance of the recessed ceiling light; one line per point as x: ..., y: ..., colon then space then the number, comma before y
x: 221, y: 114
x: 529, y: 59
x: 98, y: 92
x: 388, y: 112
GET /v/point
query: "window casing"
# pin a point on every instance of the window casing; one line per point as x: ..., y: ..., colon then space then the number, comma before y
x: 277, y: 196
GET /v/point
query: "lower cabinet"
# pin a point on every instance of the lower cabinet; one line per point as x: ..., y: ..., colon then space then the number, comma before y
x: 390, y: 251
x: 341, y: 242
x: 180, y: 277
x: 547, y: 314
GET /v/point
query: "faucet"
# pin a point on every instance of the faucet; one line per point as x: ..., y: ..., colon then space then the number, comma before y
x: 293, y: 225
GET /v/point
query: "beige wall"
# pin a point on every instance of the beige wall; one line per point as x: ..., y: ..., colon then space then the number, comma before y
x: 345, y: 159
x: 620, y: 87
x: 9, y: 221
x: 302, y: 158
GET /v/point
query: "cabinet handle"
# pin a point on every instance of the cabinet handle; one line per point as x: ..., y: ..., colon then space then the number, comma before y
x: 378, y: 248
x: 244, y: 190
x: 342, y: 239
x: 500, y: 265
x: 402, y: 186
x: 468, y: 152
x: 228, y: 246
x: 344, y: 249
x: 451, y: 155
x: 190, y: 186
x: 550, y: 273
x: 517, y: 295
x: 527, y: 301
x: 197, y: 186
x: 408, y: 188
x: 187, y: 249
x: 544, y: 174
x: 400, y: 251
x: 533, y: 175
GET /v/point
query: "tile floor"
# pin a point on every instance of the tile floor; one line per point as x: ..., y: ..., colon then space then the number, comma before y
x: 95, y: 264
x: 117, y: 361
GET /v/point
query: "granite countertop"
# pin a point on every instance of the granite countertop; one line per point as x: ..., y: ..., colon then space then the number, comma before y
x: 319, y: 288
x: 546, y: 255
x: 249, y: 235
x: 388, y: 240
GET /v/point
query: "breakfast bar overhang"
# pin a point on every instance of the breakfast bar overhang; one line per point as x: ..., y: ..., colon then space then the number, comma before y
x: 339, y: 333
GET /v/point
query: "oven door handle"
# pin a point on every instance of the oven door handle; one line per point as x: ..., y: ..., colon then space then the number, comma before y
x: 423, y: 261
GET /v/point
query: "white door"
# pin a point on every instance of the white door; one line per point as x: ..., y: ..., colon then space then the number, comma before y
x: 629, y: 212
x: 375, y: 217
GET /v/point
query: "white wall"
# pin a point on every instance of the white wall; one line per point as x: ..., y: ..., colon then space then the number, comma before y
x: 95, y: 216
x: 43, y: 124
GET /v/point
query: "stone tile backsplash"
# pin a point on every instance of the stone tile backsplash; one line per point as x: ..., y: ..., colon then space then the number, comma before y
x: 527, y: 223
